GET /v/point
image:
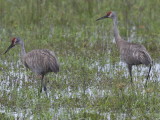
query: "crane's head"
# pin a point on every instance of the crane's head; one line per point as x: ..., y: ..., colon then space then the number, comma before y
x: 109, y: 14
x: 14, y: 42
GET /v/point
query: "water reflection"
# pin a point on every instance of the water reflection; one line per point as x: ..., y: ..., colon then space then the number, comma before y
x: 12, y: 77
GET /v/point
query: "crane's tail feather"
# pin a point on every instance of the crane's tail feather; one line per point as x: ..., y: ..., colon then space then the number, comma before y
x: 54, y: 67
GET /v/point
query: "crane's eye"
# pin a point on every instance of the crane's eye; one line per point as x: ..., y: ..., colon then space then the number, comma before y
x: 16, y: 41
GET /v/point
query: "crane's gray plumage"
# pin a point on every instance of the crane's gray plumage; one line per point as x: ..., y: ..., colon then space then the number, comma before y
x: 45, y: 61
x: 40, y: 61
x: 131, y: 53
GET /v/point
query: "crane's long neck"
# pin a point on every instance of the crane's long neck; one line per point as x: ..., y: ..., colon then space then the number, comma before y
x: 23, y: 52
x: 116, y: 31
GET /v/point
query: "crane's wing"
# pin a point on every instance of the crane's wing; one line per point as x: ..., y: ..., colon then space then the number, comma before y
x: 135, y: 54
x: 41, y: 61
x: 50, y: 60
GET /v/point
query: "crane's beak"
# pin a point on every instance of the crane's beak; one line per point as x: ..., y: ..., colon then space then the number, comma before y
x: 12, y: 45
x: 102, y: 17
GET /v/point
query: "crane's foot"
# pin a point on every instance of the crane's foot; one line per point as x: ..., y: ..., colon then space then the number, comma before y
x: 148, y: 76
x: 45, y: 89
x: 145, y: 84
x: 146, y: 81
x: 40, y: 90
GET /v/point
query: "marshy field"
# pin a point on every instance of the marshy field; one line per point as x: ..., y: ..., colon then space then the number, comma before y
x: 93, y: 83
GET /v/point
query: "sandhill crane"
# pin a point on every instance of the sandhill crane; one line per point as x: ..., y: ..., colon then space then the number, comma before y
x: 40, y: 61
x: 131, y: 53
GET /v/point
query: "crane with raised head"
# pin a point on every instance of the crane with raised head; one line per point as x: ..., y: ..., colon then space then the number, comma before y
x: 40, y: 61
x: 130, y: 53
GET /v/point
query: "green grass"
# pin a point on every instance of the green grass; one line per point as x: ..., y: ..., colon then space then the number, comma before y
x: 92, y: 84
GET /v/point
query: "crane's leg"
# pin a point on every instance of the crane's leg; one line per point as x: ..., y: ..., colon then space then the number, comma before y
x: 43, y: 84
x: 44, y: 87
x: 130, y: 71
x: 148, y: 74
x: 42, y: 76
